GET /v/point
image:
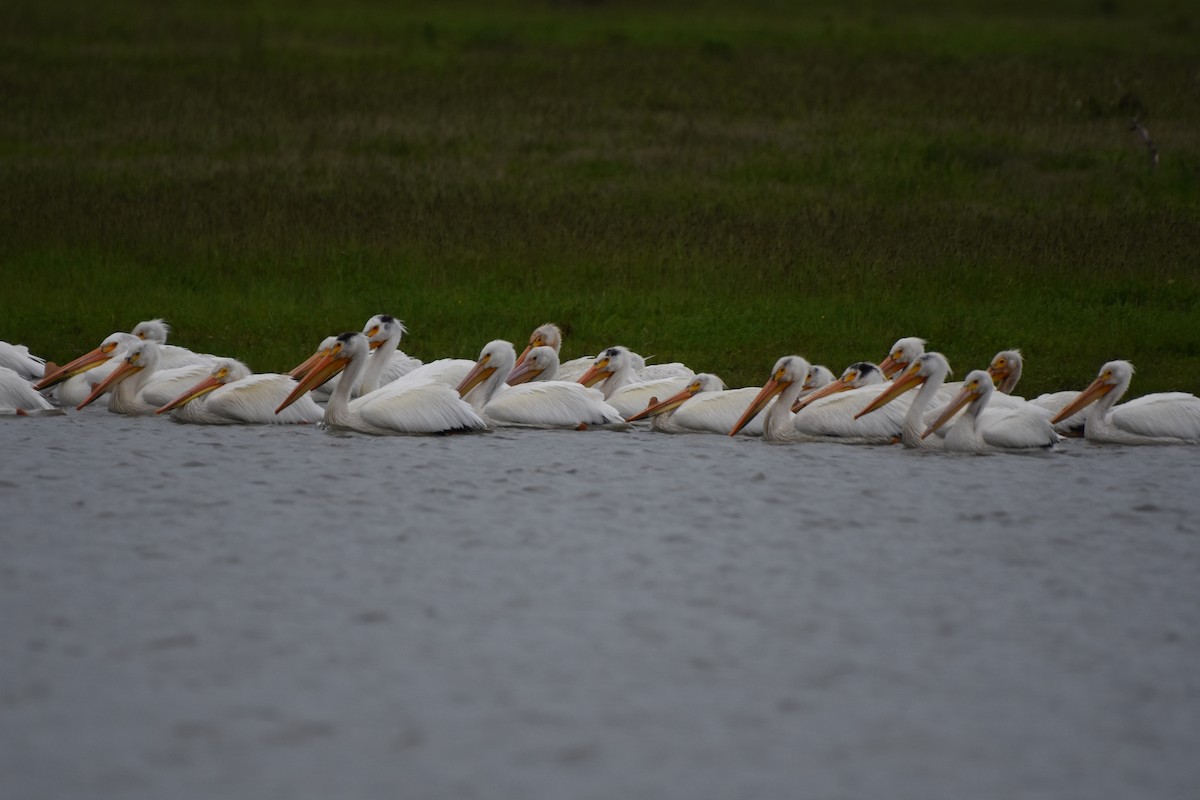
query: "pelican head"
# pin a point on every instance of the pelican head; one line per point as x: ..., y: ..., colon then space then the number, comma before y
x: 704, y: 382
x: 860, y: 373
x: 609, y: 363
x: 547, y: 335
x: 381, y: 328
x: 903, y: 352
x: 333, y: 356
x: 496, y: 356
x: 152, y: 330
x: 540, y: 364
x: 300, y: 370
x: 109, y: 348
x: 922, y: 369
x: 977, y: 389
x: 1113, y: 380
x: 787, y: 371
x: 225, y: 370
x: 1005, y: 370
x: 141, y: 356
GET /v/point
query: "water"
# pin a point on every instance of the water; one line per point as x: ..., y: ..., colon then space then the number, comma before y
x: 240, y: 612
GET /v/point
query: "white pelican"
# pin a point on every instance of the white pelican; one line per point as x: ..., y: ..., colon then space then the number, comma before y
x: 139, y: 386
x: 1161, y: 418
x: 387, y: 363
x: 829, y: 413
x: 703, y: 406
x: 170, y: 355
x: 549, y: 404
x: 786, y: 382
x: 616, y: 369
x: 549, y: 335
x: 929, y: 371
x: 74, y: 381
x: 539, y: 364
x: 406, y: 405
x: 17, y: 358
x: 231, y: 394
x: 1006, y: 369
x: 17, y: 395
x: 1019, y: 427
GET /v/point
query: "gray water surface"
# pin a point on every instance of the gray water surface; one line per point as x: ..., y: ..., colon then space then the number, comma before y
x: 254, y: 612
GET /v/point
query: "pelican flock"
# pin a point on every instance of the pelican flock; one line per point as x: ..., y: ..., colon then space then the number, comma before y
x: 361, y: 381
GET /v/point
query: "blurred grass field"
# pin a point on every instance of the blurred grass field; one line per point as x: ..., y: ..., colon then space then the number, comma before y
x: 720, y: 184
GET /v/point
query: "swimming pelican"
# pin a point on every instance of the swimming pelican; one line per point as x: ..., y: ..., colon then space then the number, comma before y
x: 17, y: 395
x: 231, y: 394
x: 1160, y: 418
x: 549, y: 404
x: 1006, y: 369
x: 550, y: 335
x: 75, y: 380
x: 929, y: 371
x: 829, y: 413
x: 1020, y: 427
x: 406, y: 405
x: 17, y: 358
x: 387, y: 362
x: 615, y: 369
x: 786, y: 381
x: 138, y: 384
x: 703, y: 406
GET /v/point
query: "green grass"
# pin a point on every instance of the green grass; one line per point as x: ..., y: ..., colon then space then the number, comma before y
x: 715, y: 185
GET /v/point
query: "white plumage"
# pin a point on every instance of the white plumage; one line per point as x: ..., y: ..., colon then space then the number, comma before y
x: 1161, y: 418
x: 17, y: 358
x: 615, y: 371
x: 974, y: 431
x: 407, y: 405
x: 231, y: 394
x: 138, y: 386
x: 17, y: 395
x: 549, y: 404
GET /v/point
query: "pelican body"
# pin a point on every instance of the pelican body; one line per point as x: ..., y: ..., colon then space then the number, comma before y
x: 232, y: 395
x: 1019, y: 427
x: 1161, y: 418
x: 406, y: 405
x: 545, y: 404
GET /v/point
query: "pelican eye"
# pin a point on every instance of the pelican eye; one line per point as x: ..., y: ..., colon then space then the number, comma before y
x: 222, y: 372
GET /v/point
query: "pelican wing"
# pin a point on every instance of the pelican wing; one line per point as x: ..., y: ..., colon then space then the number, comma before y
x: 1174, y: 415
x: 1055, y: 402
x: 833, y: 416
x: 17, y: 358
x: 417, y: 407
x: 18, y: 393
x: 1017, y: 427
x: 553, y: 404
x: 718, y: 412
x: 653, y: 372
x: 254, y: 399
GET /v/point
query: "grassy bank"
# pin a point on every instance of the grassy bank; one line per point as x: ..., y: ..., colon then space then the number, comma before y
x: 705, y: 185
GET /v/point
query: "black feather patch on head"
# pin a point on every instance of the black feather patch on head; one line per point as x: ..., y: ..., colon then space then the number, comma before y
x: 612, y: 352
x: 347, y: 336
x: 386, y: 318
